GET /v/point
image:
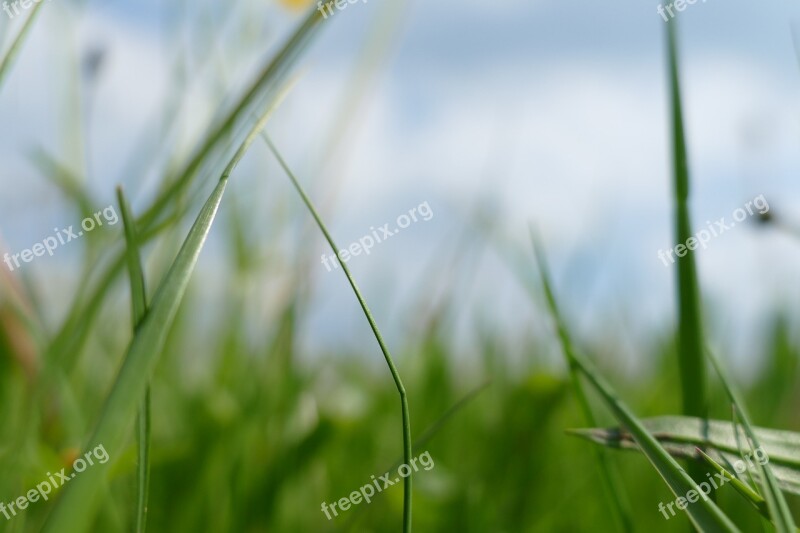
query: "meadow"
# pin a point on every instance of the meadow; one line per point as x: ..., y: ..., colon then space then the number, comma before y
x: 191, y: 412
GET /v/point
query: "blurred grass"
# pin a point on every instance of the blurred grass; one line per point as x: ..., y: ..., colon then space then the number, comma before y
x: 261, y: 435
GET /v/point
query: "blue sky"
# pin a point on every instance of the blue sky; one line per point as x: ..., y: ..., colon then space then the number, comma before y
x: 555, y: 111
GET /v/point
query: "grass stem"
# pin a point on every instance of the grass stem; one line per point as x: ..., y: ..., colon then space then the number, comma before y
x: 407, y: 444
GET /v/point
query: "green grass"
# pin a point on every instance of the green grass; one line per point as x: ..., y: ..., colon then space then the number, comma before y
x: 691, y: 343
x: 218, y: 417
x: 401, y: 390
x: 705, y: 515
x: 614, y: 487
x: 138, y: 312
x: 74, y: 510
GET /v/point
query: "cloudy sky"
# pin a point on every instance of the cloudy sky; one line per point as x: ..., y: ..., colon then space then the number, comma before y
x: 554, y: 113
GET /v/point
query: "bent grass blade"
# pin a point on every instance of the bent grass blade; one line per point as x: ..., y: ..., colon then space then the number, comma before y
x: 407, y: 444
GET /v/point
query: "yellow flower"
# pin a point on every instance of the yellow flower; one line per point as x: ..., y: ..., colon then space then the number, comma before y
x: 296, y: 5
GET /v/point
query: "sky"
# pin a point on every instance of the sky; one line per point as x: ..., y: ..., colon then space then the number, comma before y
x: 555, y: 114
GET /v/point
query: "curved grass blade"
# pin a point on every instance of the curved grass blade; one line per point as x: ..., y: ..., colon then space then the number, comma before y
x: 75, y: 509
x: 704, y: 514
x: 269, y: 79
x: 138, y: 311
x: 407, y: 444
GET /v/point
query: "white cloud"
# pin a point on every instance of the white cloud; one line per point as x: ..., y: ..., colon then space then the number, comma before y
x: 580, y: 146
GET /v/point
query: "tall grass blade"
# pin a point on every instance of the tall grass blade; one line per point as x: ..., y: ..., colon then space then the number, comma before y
x: 690, y: 328
x: 615, y: 491
x: 74, y: 510
x: 407, y: 444
x: 138, y: 311
x: 705, y: 515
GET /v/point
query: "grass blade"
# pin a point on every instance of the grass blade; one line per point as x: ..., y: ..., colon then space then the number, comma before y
x: 705, y: 515
x: 67, y: 343
x: 134, y: 261
x: 609, y: 475
x: 138, y: 311
x: 423, y: 439
x: 407, y: 444
x: 74, y: 510
x: 779, y: 511
x: 747, y: 493
x: 273, y: 74
x: 681, y: 436
x: 690, y: 327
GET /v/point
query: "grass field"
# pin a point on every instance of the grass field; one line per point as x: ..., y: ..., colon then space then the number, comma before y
x: 174, y: 388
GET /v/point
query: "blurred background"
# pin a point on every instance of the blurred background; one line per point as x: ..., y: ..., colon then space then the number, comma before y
x: 272, y: 395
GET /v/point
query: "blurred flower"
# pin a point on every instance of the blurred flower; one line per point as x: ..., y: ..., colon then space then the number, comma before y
x: 295, y: 5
